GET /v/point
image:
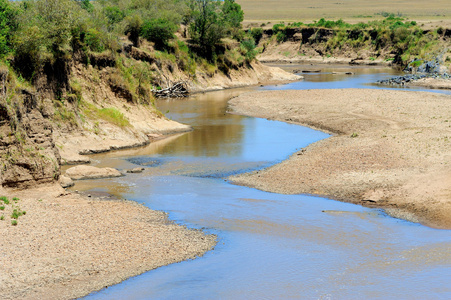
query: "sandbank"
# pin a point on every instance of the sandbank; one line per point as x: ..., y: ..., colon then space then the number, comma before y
x: 68, y: 245
x: 389, y: 149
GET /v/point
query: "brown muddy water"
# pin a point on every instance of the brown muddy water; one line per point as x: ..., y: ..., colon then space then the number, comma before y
x: 270, y: 246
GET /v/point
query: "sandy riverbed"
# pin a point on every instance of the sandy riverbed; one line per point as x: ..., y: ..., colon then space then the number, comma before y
x: 389, y: 149
x: 68, y: 245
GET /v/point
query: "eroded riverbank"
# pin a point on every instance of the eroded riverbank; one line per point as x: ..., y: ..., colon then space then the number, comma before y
x: 391, y: 149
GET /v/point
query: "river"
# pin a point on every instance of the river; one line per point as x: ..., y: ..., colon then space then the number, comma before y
x: 270, y: 246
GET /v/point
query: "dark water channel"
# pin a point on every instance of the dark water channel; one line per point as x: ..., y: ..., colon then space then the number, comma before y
x: 270, y: 246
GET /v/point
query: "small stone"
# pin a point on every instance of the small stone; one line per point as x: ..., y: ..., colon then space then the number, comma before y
x: 65, y: 181
x: 135, y: 170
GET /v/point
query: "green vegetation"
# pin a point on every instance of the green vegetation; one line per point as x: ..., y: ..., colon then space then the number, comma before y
x: 40, y: 39
x: 210, y: 21
x: 159, y: 31
x: 15, y: 210
x: 39, y: 33
x: 111, y: 115
x: 4, y: 199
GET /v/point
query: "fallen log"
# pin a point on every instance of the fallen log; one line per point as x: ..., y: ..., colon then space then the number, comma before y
x: 176, y: 90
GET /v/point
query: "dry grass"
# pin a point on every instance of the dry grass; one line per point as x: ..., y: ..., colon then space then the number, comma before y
x: 349, y: 10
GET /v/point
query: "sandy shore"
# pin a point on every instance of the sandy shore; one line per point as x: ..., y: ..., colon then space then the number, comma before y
x: 68, y: 245
x: 432, y: 83
x: 389, y: 149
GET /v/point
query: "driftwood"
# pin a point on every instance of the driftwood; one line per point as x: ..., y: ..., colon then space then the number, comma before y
x: 176, y: 90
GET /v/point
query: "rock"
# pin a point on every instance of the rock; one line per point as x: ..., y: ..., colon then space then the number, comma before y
x: 65, y: 181
x: 90, y: 172
x: 135, y: 170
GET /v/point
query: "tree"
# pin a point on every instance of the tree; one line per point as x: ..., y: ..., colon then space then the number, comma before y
x: 133, y: 29
x: 233, y: 15
x: 206, y: 25
x: 7, y: 24
x: 44, y: 33
x: 55, y: 20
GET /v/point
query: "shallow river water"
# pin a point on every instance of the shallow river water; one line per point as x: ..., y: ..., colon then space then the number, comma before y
x: 270, y: 246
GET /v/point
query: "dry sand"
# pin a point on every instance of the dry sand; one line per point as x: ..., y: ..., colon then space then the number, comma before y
x: 389, y: 149
x: 432, y: 83
x: 68, y: 245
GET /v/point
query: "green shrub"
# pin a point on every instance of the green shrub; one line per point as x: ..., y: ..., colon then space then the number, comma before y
x: 277, y: 27
x: 416, y: 63
x: 159, y: 31
x: 256, y: 34
x: 182, y: 46
x: 113, y: 14
x: 248, y: 49
x: 94, y: 41
x: 281, y: 36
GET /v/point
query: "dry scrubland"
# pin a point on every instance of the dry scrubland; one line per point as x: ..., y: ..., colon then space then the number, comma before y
x: 437, y: 11
x: 390, y: 149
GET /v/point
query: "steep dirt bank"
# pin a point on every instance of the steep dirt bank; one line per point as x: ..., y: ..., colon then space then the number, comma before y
x: 68, y: 245
x: 390, y: 149
x: 309, y: 45
x: 145, y: 123
x: 255, y: 74
x: 319, y: 45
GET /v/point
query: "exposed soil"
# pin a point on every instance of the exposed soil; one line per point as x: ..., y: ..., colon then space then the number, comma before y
x: 389, y: 149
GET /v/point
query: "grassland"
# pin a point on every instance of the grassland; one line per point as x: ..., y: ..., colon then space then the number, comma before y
x: 431, y: 13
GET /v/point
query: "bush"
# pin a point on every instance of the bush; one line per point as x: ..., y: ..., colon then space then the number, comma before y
x: 113, y: 14
x: 278, y: 27
x: 159, y: 31
x: 93, y: 40
x: 248, y: 49
x: 256, y: 34
x: 133, y: 28
x: 281, y: 36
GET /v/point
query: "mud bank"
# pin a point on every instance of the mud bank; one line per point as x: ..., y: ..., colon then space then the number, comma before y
x: 390, y: 149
